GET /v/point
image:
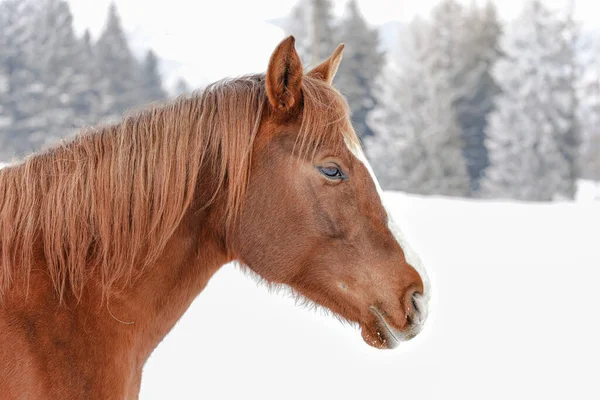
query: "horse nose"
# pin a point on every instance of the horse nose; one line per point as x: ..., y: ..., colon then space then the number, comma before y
x: 415, y: 307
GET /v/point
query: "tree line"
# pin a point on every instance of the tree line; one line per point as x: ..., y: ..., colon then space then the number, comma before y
x: 52, y: 82
x: 469, y: 106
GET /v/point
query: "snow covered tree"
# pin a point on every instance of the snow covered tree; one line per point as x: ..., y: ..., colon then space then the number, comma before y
x: 532, y: 135
x: 120, y: 84
x: 589, y: 117
x: 418, y: 147
x: 363, y: 63
x: 52, y: 83
x: 20, y: 85
x: 313, y: 25
x: 6, y: 117
x: 298, y: 24
x: 476, y: 88
x: 588, y: 112
x: 181, y: 87
x: 57, y: 55
x: 323, y: 32
x: 569, y: 138
x: 87, y: 99
x: 446, y: 37
x: 463, y: 47
x: 152, y: 89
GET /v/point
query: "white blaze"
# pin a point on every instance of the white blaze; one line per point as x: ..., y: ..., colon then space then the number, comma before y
x: 409, y: 254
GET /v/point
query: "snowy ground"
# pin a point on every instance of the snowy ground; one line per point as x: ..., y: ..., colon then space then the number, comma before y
x: 588, y: 190
x: 515, y: 317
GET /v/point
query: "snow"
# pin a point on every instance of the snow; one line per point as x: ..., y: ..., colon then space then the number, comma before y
x: 514, y: 315
x: 588, y: 190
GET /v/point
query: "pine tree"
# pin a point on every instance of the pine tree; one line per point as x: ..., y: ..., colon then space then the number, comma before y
x: 120, y: 85
x: 52, y: 82
x: 475, y: 86
x: 445, y: 41
x: 20, y: 86
x: 418, y: 148
x: 313, y: 25
x: 532, y: 134
x: 181, y: 87
x: 588, y: 112
x: 57, y: 55
x: 569, y: 137
x: 5, y: 112
x: 87, y: 99
x: 323, y: 31
x: 298, y: 24
x: 590, y: 126
x: 152, y: 89
x: 363, y: 63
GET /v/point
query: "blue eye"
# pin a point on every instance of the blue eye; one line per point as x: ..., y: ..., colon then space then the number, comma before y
x: 332, y: 172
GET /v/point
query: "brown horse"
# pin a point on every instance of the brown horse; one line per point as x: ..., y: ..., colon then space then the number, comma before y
x: 107, y: 239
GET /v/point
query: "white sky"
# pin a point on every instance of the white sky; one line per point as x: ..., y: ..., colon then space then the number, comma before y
x: 211, y: 39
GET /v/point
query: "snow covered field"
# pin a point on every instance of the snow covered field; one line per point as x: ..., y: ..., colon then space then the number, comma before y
x: 515, y: 316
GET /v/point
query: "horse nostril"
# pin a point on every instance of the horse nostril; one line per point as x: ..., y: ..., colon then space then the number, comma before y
x: 415, y: 303
x: 414, y: 307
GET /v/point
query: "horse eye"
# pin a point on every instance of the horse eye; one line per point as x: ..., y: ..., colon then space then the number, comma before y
x: 332, y: 172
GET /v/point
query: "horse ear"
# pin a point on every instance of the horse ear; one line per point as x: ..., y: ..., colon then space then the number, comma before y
x: 284, y: 76
x: 327, y: 69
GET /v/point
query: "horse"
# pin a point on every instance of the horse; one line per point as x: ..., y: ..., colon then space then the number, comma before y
x: 107, y: 237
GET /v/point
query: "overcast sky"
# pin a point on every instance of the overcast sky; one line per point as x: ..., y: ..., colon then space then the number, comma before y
x: 205, y: 40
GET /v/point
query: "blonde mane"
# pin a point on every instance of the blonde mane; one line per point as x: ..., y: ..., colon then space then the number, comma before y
x: 108, y: 201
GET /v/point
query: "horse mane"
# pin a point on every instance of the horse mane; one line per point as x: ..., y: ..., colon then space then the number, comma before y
x: 107, y: 201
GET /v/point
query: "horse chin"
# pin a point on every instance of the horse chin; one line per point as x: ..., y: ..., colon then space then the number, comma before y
x: 382, y: 335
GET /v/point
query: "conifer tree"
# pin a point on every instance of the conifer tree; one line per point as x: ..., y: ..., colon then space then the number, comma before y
x: 362, y: 66
x: 532, y: 134
x: 476, y: 88
x: 120, y: 86
x: 313, y: 25
x: 20, y: 86
x: 418, y: 148
x: 152, y: 89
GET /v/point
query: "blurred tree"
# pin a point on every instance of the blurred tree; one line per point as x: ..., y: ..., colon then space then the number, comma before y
x: 58, y: 58
x: 478, y: 35
x: 19, y: 87
x: 588, y: 112
x: 418, y: 148
x: 52, y: 82
x: 590, y: 125
x: 6, y: 117
x: 317, y: 35
x: 182, y: 87
x: 313, y: 25
x: 362, y: 65
x: 120, y: 85
x: 152, y: 89
x: 532, y: 134
x: 298, y: 24
x: 87, y: 93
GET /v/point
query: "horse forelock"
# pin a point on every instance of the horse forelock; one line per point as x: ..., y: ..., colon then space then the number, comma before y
x: 108, y: 201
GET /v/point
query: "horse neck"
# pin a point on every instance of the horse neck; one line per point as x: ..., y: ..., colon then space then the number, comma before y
x: 164, y: 292
x: 140, y: 316
x: 110, y: 340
